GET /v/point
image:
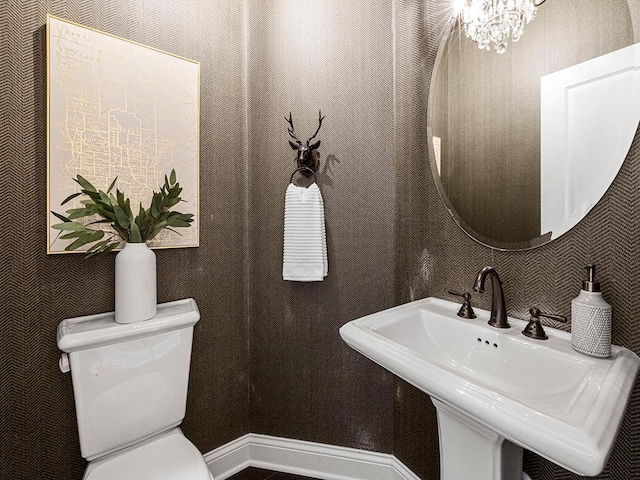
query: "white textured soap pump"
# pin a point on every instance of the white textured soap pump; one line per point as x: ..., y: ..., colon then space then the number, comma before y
x: 591, y: 319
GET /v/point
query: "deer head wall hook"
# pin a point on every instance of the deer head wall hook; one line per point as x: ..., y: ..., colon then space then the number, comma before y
x: 307, y: 156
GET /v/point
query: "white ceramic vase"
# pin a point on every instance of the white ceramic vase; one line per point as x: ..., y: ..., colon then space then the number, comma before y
x: 136, y: 294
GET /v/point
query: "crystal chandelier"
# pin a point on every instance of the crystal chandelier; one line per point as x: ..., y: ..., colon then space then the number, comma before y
x: 496, y: 21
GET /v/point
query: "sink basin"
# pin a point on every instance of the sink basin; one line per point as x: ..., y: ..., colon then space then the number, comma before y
x: 539, y: 395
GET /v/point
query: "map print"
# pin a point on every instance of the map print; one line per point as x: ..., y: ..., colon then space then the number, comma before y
x: 119, y: 109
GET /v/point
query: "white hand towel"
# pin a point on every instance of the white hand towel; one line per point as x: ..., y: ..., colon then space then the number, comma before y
x: 305, y: 244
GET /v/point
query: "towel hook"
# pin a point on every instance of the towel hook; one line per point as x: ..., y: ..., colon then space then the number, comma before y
x: 306, y: 171
x: 307, y: 156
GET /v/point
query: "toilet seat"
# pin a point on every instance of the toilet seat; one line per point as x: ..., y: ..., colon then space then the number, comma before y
x: 169, y: 456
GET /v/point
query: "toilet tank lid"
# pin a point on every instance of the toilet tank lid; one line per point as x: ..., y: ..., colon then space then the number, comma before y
x: 93, y: 331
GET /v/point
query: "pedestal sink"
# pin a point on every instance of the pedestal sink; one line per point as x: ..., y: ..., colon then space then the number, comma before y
x: 497, y: 391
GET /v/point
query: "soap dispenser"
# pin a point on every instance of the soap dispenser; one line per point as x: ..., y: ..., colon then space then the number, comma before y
x: 591, y: 319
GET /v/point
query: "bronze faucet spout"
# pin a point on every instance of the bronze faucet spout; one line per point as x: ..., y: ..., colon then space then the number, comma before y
x: 498, y: 308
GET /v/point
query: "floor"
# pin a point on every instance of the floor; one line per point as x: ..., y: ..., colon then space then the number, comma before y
x: 259, y: 474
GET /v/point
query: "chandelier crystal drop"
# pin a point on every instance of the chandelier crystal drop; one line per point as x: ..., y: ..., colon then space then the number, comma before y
x: 494, y: 22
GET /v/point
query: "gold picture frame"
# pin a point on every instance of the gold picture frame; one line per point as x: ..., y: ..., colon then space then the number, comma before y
x: 116, y: 108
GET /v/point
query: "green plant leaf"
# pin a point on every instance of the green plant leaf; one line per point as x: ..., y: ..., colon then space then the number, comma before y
x: 185, y: 217
x: 99, y: 245
x: 169, y: 202
x: 97, y: 248
x: 98, y: 221
x: 88, y: 238
x: 90, y: 204
x: 71, y: 197
x: 176, y: 221
x: 77, y: 234
x: 104, y: 247
x: 135, y: 234
x: 157, y: 229
x: 142, y: 215
x: 95, y: 196
x: 175, y: 191
x: 156, y: 205
x: 79, y: 213
x: 85, y: 184
x: 112, y: 184
x: 110, y: 247
x: 127, y: 210
x: 104, y: 198
x: 122, y: 233
x: 144, y: 221
x: 73, y: 226
x: 93, y: 208
x: 120, y: 197
x: 60, y: 217
x: 121, y: 218
x: 172, y: 178
x: 106, y: 213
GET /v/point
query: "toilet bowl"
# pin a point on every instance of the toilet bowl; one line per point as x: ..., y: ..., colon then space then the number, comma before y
x: 130, y: 390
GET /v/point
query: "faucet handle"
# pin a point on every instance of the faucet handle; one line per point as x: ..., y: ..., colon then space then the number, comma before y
x: 535, y: 312
x: 466, y: 310
x: 534, y: 327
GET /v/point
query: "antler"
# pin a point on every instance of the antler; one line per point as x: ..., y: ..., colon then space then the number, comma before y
x: 320, y: 118
x: 291, y: 130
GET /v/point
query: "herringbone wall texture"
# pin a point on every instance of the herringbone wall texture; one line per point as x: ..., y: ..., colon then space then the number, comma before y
x: 336, y: 56
x: 415, y: 434
x: 435, y: 256
x: 38, y: 436
x: 386, y: 227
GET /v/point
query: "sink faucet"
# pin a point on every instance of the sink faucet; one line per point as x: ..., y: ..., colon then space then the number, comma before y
x: 498, y: 308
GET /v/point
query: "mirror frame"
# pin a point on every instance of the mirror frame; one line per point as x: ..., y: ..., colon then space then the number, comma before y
x: 634, y: 11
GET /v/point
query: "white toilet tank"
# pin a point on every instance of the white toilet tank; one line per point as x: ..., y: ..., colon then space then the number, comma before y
x: 129, y: 380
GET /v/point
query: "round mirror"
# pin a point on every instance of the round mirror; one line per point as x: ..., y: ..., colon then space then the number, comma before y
x: 523, y: 144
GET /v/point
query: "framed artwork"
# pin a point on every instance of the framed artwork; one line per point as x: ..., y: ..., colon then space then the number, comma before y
x: 116, y: 108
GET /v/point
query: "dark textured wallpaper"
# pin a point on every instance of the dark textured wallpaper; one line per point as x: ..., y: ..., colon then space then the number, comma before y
x: 436, y: 255
x: 306, y: 383
x: 267, y: 355
x: 38, y: 437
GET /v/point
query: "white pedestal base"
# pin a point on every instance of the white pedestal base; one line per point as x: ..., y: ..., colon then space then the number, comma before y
x: 472, y: 451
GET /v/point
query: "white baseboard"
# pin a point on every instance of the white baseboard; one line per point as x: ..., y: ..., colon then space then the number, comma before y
x: 317, y: 460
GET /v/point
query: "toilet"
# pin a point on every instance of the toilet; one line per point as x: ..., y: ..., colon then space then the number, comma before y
x: 130, y: 390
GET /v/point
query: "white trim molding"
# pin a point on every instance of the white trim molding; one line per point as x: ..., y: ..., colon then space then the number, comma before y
x: 316, y: 460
